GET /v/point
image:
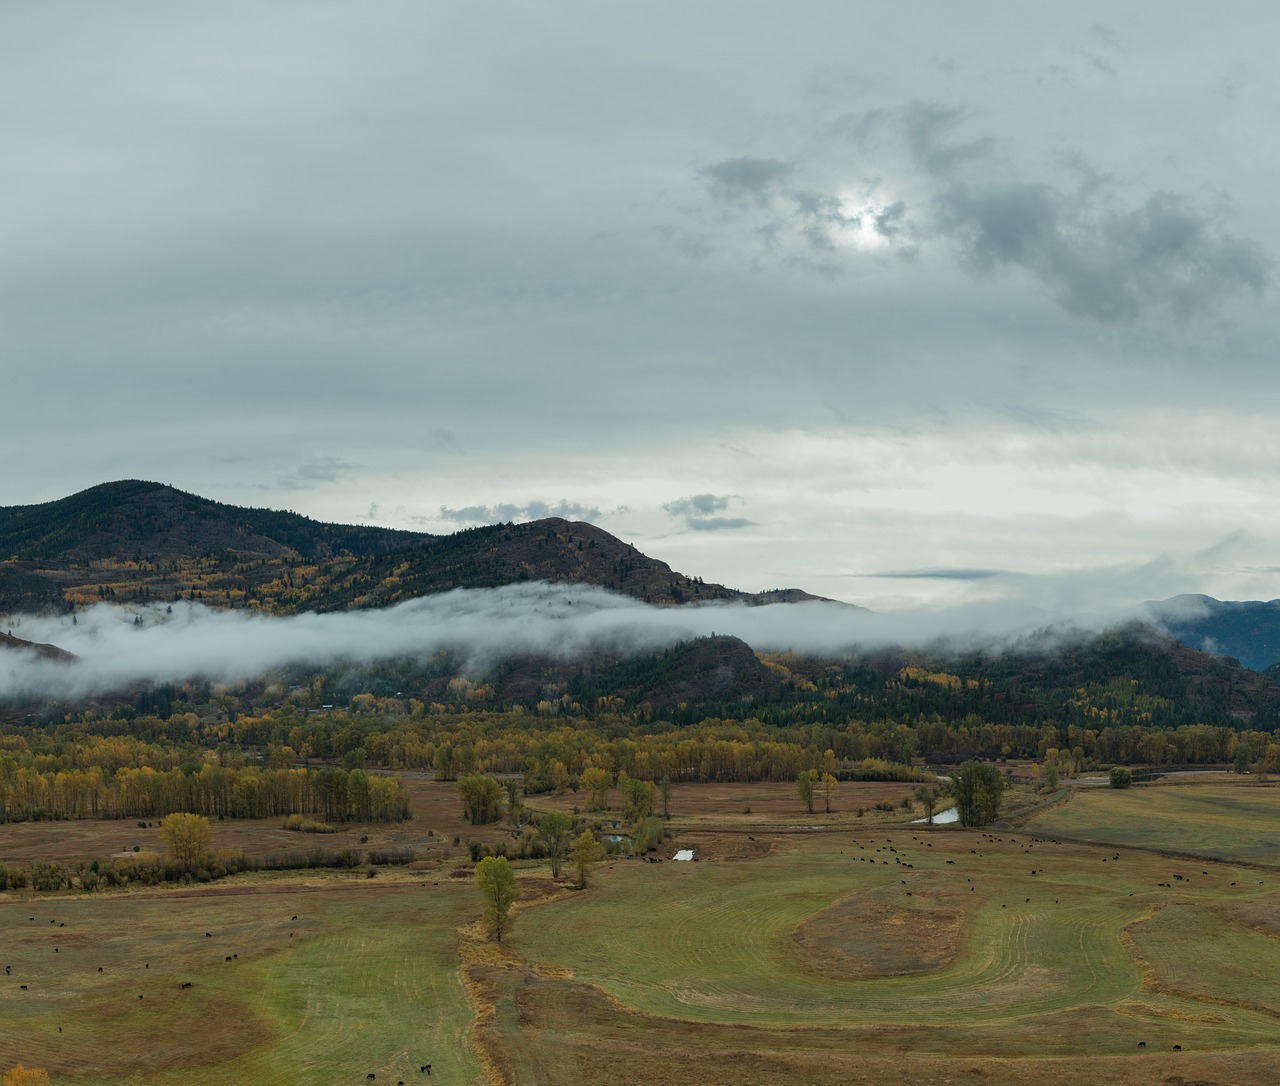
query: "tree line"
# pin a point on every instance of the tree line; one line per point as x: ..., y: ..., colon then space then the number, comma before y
x: 28, y: 793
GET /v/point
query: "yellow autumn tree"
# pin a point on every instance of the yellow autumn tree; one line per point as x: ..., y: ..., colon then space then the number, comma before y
x: 595, y: 782
x: 26, y: 1076
x: 187, y: 836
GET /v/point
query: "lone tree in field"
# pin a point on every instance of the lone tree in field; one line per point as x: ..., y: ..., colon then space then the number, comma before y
x: 804, y: 787
x: 665, y: 787
x: 1120, y: 777
x: 977, y: 788
x: 828, y: 784
x: 584, y: 852
x: 553, y: 832
x: 497, y: 884
x: 928, y: 800
x: 187, y: 837
x: 639, y: 798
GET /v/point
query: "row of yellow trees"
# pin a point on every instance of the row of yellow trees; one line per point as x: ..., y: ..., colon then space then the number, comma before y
x: 246, y: 792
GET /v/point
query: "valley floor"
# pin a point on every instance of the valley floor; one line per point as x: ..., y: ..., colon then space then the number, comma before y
x: 798, y: 949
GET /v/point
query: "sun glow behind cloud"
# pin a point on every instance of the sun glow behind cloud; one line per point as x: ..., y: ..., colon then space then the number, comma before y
x: 865, y: 222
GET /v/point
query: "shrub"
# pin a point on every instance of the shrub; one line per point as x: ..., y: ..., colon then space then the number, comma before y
x: 301, y: 824
x: 649, y: 835
x: 397, y: 855
x: 1120, y: 777
x: 47, y: 875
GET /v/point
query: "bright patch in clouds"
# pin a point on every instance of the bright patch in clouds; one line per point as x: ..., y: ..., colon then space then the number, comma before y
x: 865, y: 222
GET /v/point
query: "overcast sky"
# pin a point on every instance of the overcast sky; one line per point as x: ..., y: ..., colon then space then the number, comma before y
x: 897, y: 303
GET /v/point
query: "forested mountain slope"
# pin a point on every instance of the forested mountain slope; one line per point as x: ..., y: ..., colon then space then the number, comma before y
x: 145, y: 541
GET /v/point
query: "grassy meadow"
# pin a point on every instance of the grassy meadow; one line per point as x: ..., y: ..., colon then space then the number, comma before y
x: 368, y: 983
x: 1232, y: 820
x: 848, y: 953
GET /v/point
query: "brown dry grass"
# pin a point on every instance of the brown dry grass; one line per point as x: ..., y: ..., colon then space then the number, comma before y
x: 573, y: 1032
x: 1262, y: 916
x: 754, y: 803
x: 879, y: 933
x: 435, y: 806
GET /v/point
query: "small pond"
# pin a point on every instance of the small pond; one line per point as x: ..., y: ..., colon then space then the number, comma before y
x: 951, y: 814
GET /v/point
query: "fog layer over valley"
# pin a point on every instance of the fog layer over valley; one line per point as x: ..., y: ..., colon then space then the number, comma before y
x: 118, y: 646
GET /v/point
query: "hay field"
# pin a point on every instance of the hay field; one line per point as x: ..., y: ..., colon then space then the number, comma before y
x: 1230, y: 819
x: 902, y: 954
x: 368, y: 983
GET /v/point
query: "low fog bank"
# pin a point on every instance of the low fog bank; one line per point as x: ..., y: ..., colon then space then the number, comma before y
x: 119, y: 646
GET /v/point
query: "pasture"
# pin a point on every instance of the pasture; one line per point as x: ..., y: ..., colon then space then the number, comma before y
x: 1232, y: 820
x: 367, y: 983
x: 851, y: 953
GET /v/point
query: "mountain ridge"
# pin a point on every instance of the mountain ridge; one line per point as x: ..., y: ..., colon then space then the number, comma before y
x: 1245, y: 630
x: 146, y: 541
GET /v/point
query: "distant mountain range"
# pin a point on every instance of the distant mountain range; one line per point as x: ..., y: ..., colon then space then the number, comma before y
x: 146, y: 542
x: 1249, y: 631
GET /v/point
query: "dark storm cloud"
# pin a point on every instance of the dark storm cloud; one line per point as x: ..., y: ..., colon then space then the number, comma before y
x: 698, y: 513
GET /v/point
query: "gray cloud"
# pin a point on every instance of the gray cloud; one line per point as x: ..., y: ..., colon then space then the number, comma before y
x: 1099, y: 258
x: 929, y: 128
x: 316, y: 472
x: 1106, y: 265
x: 534, y: 510
x: 412, y: 245
x: 939, y: 574
x: 744, y: 178
x: 698, y: 511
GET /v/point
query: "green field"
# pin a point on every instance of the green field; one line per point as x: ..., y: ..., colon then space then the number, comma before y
x: 876, y: 955
x: 1232, y: 821
x: 367, y: 984
x: 715, y: 943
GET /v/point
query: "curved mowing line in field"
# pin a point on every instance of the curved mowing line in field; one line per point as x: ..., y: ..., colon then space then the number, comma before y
x: 714, y: 944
